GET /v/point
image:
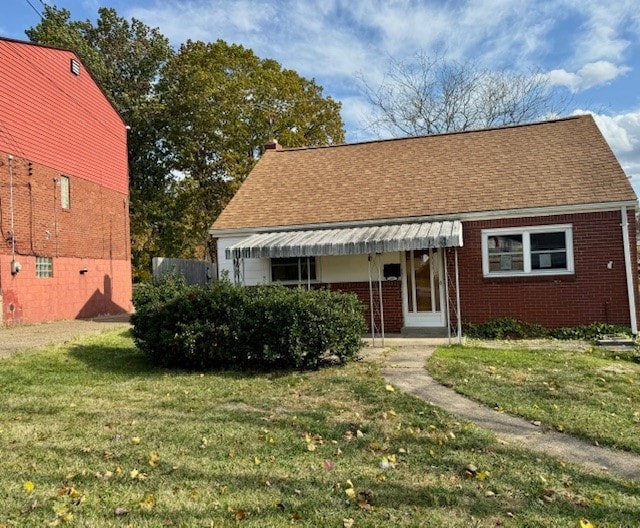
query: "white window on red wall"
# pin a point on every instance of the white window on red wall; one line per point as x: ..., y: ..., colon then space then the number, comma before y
x: 65, y: 195
x: 535, y: 250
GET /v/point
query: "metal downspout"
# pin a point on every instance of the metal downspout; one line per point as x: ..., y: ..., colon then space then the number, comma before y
x: 629, y: 271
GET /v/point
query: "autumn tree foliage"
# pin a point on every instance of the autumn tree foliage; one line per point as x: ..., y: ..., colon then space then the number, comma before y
x: 198, y: 118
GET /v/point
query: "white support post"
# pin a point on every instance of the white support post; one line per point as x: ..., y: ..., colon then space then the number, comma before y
x: 629, y: 271
x: 379, y: 257
x: 446, y: 293
x: 455, y: 249
x: 373, y: 328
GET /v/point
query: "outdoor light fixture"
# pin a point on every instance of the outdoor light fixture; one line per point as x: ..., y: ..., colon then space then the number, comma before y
x: 83, y: 271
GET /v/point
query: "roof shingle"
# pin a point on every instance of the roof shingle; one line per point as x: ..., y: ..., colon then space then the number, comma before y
x: 552, y: 163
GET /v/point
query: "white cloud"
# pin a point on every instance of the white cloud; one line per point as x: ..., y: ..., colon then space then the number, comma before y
x: 604, y: 32
x: 591, y: 74
x: 622, y: 132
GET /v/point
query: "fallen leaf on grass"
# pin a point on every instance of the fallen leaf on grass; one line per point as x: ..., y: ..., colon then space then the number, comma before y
x: 137, y: 475
x: 347, y: 523
x: 119, y: 512
x: 240, y: 515
x: 585, y: 524
x: 389, y: 388
x: 148, y: 502
x: 135, y: 440
x: 154, y: 458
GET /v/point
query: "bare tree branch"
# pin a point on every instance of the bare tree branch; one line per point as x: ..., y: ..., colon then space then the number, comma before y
x: 430, y: 95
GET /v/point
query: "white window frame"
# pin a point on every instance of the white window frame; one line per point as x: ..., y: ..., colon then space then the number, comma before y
x: 526, y: 232
x: 65, y: 192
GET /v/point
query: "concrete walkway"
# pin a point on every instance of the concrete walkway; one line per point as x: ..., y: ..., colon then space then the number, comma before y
x: 404, y: 368
x: 24, y: 337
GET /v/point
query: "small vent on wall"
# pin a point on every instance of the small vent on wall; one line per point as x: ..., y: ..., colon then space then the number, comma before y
x: 75, y: 67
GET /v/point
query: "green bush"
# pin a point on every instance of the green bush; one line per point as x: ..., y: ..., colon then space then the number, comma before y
x: 258, y: 328
x: 507, y: 328
x: 158, y: 291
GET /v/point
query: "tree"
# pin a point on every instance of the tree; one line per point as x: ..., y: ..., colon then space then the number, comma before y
x: 126, y: 59
x: 198, y: 122
x: 223, y: 104
x: 431, y: 95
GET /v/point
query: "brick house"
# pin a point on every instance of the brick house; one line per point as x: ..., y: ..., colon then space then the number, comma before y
x: 64, y: 219
x: 534, y: 222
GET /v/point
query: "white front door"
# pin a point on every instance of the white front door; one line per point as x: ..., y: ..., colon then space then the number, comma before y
x: 423, y: 288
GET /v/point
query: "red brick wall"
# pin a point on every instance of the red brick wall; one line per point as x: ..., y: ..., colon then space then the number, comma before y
x: 58, y: 119
x: 104, y: 289
x: 92, y: 233
x: 391, y: 298
x: 592, y: 294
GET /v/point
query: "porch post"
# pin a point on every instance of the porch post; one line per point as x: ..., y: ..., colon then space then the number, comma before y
x: 446, y: 294
x: 455, y: 249
x: 379, y: 258
x: 373, y: 331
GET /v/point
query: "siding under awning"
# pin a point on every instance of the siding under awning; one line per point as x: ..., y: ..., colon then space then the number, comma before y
x: 349, y: 241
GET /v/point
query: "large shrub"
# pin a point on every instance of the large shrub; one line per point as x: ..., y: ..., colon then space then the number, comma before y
x: 264, y: 327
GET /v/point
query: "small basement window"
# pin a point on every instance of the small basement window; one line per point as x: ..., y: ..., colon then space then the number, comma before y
x: 44, y: 267
x: 293, y: 269
x: 543, y: 250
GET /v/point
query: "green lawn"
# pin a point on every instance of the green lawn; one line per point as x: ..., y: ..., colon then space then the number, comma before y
x: 92, y: 435
x: 589, y: 392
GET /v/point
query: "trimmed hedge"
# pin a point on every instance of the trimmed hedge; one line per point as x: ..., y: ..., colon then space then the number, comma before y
x: 257, y: 328
x: 507, y: 328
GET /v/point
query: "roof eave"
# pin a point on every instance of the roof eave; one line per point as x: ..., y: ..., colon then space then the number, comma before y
x: 463, y: 216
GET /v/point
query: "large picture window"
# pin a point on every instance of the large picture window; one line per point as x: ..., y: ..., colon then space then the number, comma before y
x: 294, y: 269
x: 543, y: 250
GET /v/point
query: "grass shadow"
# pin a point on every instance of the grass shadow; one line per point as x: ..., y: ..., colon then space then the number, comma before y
x: 127, y: 360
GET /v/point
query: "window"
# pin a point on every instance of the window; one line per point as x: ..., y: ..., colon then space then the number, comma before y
x: 65, y: 201
x: 294, y: 269
x: 544, y: 250
x: 44, y: 267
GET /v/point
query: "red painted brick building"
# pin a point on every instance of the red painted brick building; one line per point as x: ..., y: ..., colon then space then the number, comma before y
x: 534, y: 222
x: 64, y: 214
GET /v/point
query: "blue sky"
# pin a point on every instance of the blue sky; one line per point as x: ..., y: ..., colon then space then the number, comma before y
x: 590, y: 49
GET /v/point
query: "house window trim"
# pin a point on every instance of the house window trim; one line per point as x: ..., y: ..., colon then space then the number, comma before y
x: 526, y: 232
x: 301, y: 280
x: 39, y: 268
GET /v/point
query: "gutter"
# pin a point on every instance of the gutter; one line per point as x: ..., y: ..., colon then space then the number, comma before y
x: 464, y: 217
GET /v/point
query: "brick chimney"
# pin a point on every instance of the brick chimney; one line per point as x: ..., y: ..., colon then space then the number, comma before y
x: 273, y: 144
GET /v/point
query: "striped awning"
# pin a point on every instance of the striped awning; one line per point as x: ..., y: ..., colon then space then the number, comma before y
x: 349, y: 241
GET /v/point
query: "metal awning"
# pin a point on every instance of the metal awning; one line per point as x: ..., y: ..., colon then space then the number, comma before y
x: 349, y: 241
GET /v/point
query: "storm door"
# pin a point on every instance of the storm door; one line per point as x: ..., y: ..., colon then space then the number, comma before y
x: 423, y: 288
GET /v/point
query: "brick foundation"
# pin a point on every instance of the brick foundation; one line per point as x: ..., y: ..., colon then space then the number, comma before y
x: 391, y: 299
